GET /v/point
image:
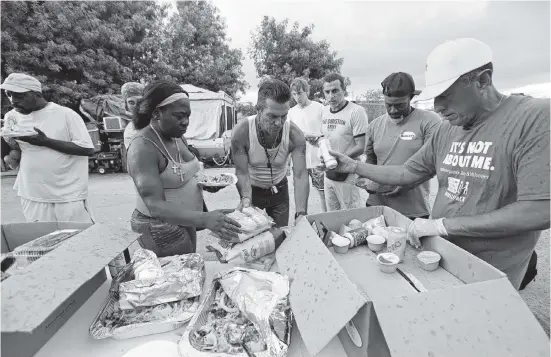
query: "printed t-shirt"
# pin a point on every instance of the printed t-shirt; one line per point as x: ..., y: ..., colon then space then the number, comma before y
x: 342, y: 127
x: 393, y: 144
x: 497, y: 162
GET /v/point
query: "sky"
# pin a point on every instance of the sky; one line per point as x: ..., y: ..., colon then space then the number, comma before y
x: 378, y: 38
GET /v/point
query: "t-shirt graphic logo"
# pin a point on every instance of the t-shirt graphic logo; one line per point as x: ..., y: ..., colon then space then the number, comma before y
x: 457, y: 189
x: 453, y: 185
x: 408, y: 135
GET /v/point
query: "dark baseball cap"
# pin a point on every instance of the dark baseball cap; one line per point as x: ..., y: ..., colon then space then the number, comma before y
x: 399, y: 84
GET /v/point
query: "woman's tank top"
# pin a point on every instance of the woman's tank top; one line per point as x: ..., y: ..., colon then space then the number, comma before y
x: 186, y: 192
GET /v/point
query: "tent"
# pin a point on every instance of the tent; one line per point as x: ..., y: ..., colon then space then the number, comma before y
x: 212, y: 115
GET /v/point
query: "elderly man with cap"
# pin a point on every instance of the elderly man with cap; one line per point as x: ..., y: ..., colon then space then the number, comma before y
x: 491, y: 158
x: 53, y: 173
x: 393, y: 138
x: 130, y: 92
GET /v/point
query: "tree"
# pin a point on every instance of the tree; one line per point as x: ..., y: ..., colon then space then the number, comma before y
x: 79, y: 49
x: 372, y: 96
x: 198, y: 50
x: 289, y: 54
x: 246, y: 108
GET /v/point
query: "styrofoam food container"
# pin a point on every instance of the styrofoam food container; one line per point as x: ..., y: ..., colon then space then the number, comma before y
x: 376, y: 242
x: 429, y: 260
x: 340, y: 244
x: 391, y: 266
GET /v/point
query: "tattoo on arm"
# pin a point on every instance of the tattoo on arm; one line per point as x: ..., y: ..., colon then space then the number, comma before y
x: 239, y: 148
x: 301, y: 149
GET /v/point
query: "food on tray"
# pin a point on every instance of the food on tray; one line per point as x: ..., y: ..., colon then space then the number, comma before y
x: 172, y: 302
x: 14, y: 127
x: 182, y: 277
x: 146, y: 265
x: 161, y: 312
x: 222, y: 179
x: 260, y: 245
x: 246, y: 313
x: 227, y: 330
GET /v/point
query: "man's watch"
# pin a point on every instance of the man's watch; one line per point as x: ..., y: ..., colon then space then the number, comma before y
x: 300, y: 213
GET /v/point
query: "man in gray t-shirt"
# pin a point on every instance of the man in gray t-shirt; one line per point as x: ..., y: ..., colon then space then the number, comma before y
x: 396, y: 136
x: 491, y: 158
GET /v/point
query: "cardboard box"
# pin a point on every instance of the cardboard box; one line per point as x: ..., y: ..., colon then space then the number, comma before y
x: 37, y: 303
x: 469, y: 309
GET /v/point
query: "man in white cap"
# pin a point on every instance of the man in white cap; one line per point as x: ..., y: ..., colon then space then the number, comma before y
x: 53, y: 174
x: 491, y: 158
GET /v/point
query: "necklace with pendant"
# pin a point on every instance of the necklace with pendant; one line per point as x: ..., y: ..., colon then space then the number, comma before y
x: 176, y: 166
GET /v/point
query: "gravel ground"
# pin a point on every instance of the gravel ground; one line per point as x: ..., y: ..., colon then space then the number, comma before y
x: 112, y: 197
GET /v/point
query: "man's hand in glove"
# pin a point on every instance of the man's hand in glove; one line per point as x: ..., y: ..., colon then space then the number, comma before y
x: 423, y: 228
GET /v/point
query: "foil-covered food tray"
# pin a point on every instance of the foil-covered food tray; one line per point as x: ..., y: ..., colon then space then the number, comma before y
x: 272, y: 316
x: 113, y: 322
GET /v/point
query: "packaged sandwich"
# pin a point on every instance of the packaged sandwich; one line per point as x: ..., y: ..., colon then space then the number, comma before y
x: 252, y: 220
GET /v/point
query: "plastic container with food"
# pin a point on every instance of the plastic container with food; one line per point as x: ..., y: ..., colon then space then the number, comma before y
x: 340, y: 244
x: 376, y: 242
x: 429, y: 260
x: 388, y: 262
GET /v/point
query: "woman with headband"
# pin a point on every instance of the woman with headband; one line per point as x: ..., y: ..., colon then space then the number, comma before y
x: 169, y: 203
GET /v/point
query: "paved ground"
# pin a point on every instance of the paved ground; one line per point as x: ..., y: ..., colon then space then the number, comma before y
x: 111, y: 198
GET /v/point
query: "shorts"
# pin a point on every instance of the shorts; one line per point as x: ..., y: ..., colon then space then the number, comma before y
x: 317, y: 177
x: 341, y: 195
x: 76, y: 211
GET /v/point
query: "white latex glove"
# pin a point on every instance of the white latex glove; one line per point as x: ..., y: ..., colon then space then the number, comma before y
x: 423, y: 228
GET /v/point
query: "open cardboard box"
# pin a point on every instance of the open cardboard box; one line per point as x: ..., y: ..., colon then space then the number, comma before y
x: 36, y: 303
x: 469, y: 309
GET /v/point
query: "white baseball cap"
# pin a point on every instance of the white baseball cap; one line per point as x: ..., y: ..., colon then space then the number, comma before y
x: 449, y: 61
x: 21, y: 83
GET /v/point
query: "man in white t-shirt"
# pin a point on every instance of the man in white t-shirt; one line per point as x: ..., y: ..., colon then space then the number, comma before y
x: 344, y: 124
x: 53, y: 174
x: 307, y: 116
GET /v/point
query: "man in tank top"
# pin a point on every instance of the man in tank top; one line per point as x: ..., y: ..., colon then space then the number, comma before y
x: 262, y: 146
